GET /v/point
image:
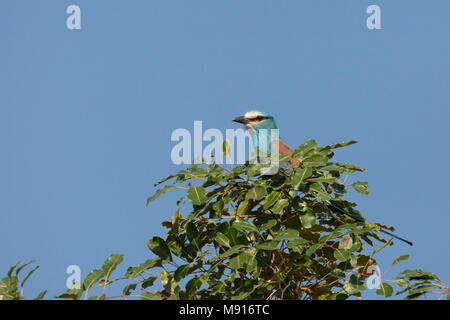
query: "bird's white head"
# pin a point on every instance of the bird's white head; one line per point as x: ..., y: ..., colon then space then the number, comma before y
x: 255, y: 119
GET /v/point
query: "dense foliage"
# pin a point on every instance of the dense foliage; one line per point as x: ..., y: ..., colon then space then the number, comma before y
x: 253, y: 236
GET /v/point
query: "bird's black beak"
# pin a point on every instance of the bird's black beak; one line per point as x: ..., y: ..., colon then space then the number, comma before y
x: 242, y: 120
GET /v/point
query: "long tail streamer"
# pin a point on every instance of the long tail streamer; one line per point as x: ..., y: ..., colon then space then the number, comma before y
x: 331, y: 205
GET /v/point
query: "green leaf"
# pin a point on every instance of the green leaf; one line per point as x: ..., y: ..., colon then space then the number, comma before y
x: 93, y: 277
x: 249, y: 256
x: 255, y: 169
x: 41, y: 295
x: 111, y: 264
x: 339, y: 145
x: 222, y: 240
x: 128, y: 288
x: 316, y: 160
x: 27, y: 276
x: 419, y: 275
x: 322, y: 196
x: 150, y: 296
x: 159, y: 247
x: 315, y: 187
x: 268, y: 225
x: 133, y: 272
x: 245, y: 291
x: 244, y: 225
x: 385, y: 290
x: 399, y: 259
x: 268, y: 245
x: 296, y: 243
x: 197, y: 195
x: 323, y: 179
x: 237, y: 261
x: 402, y: 283
x: 242, y: 209
x: 279, y: 206
x: 181, y: 272
x: 271, y: 199
x: 12, y: 269
x: 300, y: 175
x: 382, y: 247
x: 164, y: 277
x: 349, y: 167
x: 195, y: 173
x: 159, y: 192
x: 148, y: 282
x: 304, y: 148
x: 341, y: 254
x: 235, y: 237
x: 23, y: 266
x: 353, y: 261
x: 256, y: 193
x: 192, y: 286
x: 192, y: 232
x: 71, y: 294
x: 313, y: 249
x: 354, y: 285
x: 361, y: 187
x: 233, y: 250
x: 308, y: 220
x: 298, y: 204
x: 288, y: 234
x: 218, y: 206
x: 415, y: 295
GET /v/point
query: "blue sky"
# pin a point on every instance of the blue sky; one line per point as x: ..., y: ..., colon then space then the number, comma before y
x: 86, y: 115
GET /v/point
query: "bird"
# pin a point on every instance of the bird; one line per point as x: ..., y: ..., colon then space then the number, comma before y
x: 265, y: 136
x: 261, y: 127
